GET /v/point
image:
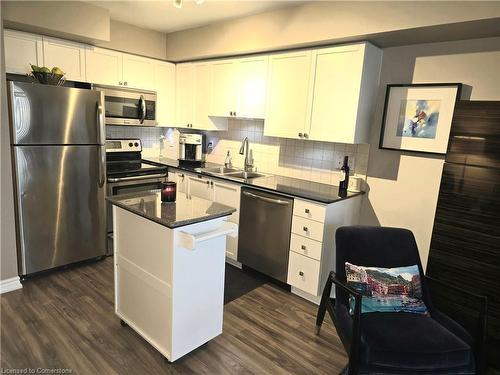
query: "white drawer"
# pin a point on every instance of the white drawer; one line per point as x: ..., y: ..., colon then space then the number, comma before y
x: 307, y: 228
x: 305, y: 246
x: 309, y: 210
x: 303, y: 273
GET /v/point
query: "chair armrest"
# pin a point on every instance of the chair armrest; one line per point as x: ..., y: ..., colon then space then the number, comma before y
x: 480, y: 334
x: 354, y: 350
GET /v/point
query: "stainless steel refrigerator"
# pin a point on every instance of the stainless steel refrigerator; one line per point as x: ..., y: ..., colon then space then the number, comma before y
x: 57, y: 137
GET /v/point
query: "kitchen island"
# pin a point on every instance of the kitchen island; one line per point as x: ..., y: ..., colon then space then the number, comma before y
x: 169, y: 262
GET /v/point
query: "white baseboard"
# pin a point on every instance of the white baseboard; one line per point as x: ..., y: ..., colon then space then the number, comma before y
x: 311, y: 298
x: 8, y: 285
x: 233, y: 263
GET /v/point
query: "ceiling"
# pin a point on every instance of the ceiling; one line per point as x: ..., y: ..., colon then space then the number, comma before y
x: 163, y: 16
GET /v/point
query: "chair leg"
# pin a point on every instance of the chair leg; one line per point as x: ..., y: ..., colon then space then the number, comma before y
x: 325, y: 299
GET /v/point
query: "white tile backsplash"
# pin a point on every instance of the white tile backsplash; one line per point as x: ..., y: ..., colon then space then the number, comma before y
x: 303, y: 159
x: 308, y: 160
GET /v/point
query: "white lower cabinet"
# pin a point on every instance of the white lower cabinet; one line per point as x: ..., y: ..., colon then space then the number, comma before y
x: 227, y: 193
x: 303, y: 273
x: 306, y: 246
x: 179, y: 178
x: 312, y: 243
x: 200, y: 187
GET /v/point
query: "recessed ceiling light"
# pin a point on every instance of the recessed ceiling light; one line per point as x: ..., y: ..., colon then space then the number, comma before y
x: 199, y: 2
x: 178, y: 3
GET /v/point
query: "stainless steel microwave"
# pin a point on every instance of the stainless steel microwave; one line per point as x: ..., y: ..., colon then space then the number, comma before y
x: 128, y: 106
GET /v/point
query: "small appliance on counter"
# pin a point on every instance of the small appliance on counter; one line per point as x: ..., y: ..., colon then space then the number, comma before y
x: 191, y: 149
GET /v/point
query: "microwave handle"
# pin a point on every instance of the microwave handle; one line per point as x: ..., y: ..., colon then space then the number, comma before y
x: 142, y: 103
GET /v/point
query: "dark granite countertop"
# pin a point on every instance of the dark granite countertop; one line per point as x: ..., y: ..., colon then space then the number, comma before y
x: 294, y: 187
x: 184, y: 211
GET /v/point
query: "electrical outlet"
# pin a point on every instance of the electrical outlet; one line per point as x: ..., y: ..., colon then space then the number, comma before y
x: 338, y: 160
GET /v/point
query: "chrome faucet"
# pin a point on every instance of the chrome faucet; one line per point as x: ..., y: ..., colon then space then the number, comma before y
x: 248, y: 160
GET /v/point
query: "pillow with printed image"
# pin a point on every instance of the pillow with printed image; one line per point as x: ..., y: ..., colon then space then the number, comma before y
x: 386, y: 289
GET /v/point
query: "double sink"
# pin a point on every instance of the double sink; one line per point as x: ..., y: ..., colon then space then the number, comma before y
x: 232, y: 173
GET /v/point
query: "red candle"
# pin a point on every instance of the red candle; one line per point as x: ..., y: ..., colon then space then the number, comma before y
x: 168, y: 191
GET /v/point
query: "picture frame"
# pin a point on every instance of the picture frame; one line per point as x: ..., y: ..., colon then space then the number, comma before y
x: 418, y: 117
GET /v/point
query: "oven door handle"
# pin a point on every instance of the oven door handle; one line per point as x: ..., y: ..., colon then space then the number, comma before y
x: 142, y: 103
x: 136, y: 178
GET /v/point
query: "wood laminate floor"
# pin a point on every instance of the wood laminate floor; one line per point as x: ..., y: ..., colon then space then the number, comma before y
x: 66, y: 320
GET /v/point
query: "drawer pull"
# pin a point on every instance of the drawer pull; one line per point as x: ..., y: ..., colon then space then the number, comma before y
x: 307, y: 210
x: 301, y: 273
x: 303, y: 247
x: 305, y: 229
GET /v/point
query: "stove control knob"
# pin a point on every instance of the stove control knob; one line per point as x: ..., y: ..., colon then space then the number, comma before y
x: 130, y: 144
x: 136, y: 144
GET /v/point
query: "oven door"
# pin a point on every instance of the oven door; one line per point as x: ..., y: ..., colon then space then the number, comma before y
x: 129, y: 107
x: 126, y: 185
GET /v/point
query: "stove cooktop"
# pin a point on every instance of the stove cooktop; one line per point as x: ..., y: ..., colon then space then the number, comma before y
x: 126, y: 168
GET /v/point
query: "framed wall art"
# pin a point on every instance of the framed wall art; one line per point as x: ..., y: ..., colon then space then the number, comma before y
x: 417, y: 117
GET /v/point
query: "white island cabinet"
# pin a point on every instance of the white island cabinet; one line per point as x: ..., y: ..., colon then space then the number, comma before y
x: 169, y: 262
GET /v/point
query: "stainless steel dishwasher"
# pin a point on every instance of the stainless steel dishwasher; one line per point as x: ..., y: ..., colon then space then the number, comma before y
x: 264, y: 233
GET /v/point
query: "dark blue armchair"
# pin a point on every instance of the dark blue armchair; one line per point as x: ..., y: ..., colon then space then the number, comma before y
x: 396, y: 342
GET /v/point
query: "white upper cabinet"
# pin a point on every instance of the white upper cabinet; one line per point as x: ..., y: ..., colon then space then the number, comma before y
x: 108, y: 67
x: 239, y: 87
x: 251, y: 87
x: 345, y: 83
x: 68, y: 56
x: 104, y: 66
x: 138, y: 72
x: 223, y: 86
x: 184, y: 98
x: 194, y: 97
x: 202, y: 96
x: 21, y: 50
x: 164, y: 77
x: 288, y: 88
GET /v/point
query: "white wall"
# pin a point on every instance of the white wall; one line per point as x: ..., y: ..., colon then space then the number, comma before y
x: 8, y: 255
x: 403, y: 187
x: 322, y: 22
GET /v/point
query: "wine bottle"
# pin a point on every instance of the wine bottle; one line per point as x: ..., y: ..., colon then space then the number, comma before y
x: 344, y: 176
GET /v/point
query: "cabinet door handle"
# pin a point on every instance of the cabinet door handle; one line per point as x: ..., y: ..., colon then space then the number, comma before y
x: 301, y: 273
x: 303, y: 247
x: 125, y: 83
x: 234, y: 113
x: 300, y: 135
x: 211, y: 183
x: 307, y: 210
x: 306, y: 135
x: 305, y: 229
x: 208, y: 182
x: 120, y: 83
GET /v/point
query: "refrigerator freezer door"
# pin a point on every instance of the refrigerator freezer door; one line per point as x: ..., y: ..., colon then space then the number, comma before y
x: 42, y: 114
x: 61, y: 205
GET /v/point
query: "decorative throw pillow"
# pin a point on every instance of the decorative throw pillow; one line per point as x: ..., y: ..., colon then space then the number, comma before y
x: 386, y: 289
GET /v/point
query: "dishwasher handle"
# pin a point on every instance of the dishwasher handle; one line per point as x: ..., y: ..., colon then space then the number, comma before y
x: 266, y: 199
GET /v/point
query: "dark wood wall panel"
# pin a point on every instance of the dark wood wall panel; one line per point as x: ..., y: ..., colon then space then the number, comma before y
x: 465, y: 245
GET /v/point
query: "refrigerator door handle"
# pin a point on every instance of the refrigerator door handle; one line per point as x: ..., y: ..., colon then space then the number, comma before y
x: 100, y: 122
x: 102, y: 166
